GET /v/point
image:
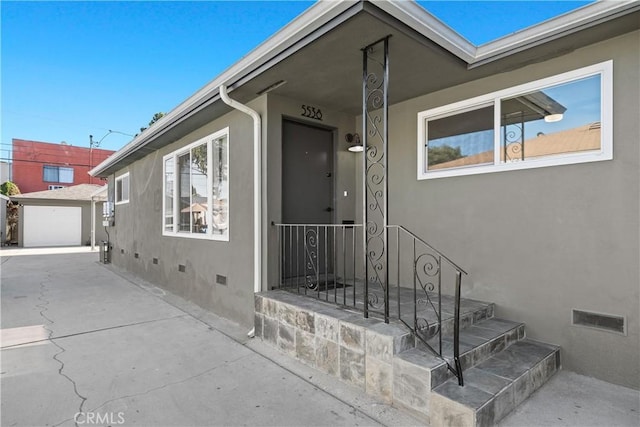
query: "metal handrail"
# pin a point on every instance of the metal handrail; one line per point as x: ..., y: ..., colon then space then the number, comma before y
x: 317, y: 225
x: 433, y: 270
x: 320, y: 260
x: 412, y: 234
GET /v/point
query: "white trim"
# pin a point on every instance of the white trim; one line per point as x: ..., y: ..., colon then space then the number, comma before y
x: 257, y: 184
x: 99, y: 191
x: 208, y: 140
x: 121, y: 178
x: 551, y: 29
x: 316, y: 16
x: 321, y: 13
x: 604, y: 69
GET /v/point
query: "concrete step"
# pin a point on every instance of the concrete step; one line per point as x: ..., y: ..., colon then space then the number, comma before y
x: 417, y: 371
x: 471, y: 312
x: 479, y: 341
x: 494, y: 387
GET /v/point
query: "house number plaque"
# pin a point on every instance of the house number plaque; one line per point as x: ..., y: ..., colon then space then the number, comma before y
x: 311, y: 112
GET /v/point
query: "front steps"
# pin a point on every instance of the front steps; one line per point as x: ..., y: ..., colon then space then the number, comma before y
x: 501, y: 367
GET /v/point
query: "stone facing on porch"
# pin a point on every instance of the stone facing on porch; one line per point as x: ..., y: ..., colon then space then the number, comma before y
x: 496, y: 386
x: 501, y: 367
x: 333, y: 340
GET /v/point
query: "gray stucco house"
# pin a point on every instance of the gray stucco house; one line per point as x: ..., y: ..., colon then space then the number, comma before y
x: 519, y: 159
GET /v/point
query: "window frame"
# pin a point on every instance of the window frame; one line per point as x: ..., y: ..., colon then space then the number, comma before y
x: 209, y: 235
x: 58, y: 168
x: 603, y: 69
x: 118, y: 197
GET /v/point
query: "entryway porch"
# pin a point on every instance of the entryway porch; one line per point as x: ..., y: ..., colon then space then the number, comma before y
x: 502, y: 367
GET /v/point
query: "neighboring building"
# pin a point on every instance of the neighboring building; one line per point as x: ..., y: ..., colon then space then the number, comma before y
x: 545, y: 225
x: 61, y: 217
x: 39, y: 166
x: 5, y: 172
x: 4, y: 200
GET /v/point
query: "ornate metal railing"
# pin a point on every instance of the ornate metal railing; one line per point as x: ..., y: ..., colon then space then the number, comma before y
x: 320, y: 260
x: 428, y: 272
x: 325, y: 261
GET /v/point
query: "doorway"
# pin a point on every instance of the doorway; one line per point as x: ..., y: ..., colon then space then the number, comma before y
x: 307, y: 198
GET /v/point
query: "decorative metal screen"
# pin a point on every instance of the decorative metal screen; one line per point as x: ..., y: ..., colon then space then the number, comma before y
x: 375, y: 64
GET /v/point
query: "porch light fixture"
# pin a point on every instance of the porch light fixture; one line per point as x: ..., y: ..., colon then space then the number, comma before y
x: 354, y: 140
x: 552, y: 118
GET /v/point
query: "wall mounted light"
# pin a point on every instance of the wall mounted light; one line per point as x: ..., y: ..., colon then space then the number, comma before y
x: 552, y: 118
x: 355, y: 144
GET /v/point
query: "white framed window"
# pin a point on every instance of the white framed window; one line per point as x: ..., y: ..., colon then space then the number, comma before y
x: 560, y: 120
x: 196, y: 189
x: 122, y: 189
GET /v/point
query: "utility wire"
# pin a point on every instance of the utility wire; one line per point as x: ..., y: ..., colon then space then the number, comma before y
x: 48, y: 163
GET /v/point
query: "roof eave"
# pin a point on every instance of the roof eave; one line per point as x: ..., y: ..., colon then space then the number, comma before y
x: 412, y: 14
x: 315, y: 16
x: 554, y: 28
x: 419, y: 19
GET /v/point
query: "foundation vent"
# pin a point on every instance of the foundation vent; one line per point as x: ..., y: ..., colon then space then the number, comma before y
x: 603, y: 322
x: 182, y: 268
x: 221, y: 280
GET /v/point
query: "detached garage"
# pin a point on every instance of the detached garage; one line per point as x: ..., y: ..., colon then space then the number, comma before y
x: 52, y: 226
x: 61, y: 217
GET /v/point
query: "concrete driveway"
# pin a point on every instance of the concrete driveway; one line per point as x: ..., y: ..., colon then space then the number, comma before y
x: 84, y: 345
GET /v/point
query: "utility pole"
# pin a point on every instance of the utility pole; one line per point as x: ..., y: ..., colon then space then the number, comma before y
x: 96, y: 144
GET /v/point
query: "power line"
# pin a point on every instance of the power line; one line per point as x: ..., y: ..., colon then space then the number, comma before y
x: 46, y: 163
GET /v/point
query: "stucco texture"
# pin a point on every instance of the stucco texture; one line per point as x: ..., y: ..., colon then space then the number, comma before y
x: 138, y: 229
x: 541, y: 242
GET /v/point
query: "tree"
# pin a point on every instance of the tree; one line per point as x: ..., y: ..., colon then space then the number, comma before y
x: 155, y: 118
x: 443, y: 153
x: 9, y: 189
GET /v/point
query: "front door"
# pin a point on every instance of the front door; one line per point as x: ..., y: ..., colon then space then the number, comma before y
x: 307, y: 198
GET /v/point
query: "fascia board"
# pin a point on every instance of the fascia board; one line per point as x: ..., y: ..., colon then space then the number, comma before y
x: 419, y: 19
x: 409, y: 12
x: 551, y: 29
x: 99, y: 191
x: 310, y: 20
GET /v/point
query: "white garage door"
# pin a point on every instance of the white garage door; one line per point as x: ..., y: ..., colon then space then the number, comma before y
x: 52, y: 226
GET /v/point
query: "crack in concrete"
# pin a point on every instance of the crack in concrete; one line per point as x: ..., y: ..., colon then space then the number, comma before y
x: 43, y: 307
x: 97, y: 330
x: 169, y: 384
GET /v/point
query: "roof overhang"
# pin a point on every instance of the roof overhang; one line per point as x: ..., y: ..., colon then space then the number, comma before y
x: 318, y: 55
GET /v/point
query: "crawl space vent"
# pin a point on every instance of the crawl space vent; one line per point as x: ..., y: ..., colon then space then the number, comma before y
x: 604, y: 322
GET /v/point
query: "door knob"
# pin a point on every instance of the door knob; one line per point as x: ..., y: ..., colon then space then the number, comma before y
x: 329, y: 209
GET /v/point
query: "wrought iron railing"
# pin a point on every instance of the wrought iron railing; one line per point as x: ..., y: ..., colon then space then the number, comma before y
x: 325, y: 261
x: 320, y: 260
x: 428, y: 272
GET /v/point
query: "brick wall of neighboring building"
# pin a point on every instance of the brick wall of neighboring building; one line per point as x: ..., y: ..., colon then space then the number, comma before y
x: 39, y: 165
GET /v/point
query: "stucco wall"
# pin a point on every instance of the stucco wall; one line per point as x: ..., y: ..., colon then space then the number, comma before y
x: 344, y: 162
x: 138, y: 229
x: 540, y: 242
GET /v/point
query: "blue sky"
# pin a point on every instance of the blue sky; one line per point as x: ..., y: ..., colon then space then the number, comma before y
x: 71, y: 69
